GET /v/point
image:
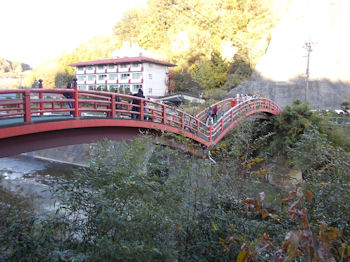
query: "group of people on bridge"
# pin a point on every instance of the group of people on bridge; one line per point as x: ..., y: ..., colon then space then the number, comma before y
x: 212, y: 115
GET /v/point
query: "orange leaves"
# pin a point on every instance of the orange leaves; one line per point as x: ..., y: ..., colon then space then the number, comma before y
x: 329, y: 245
x: 291, y: 196
x: 264, y: 213
x: 252, y: 162
x: 308, y: 195
x: 253, y: 205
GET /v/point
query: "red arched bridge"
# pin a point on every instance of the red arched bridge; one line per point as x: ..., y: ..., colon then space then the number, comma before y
x: 34, y: 119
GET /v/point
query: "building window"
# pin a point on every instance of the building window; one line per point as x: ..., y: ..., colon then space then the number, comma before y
x: 124, y: 76
x: 81, y: 78
x: 149, y: 76
x: 124, y: 89
x: 136, y: 65
x: 113, y: 76
x: 135, y: 88
x: 123, y: 66
x: 92, y: 87
x: 80, y: 68
x: 111, y: 66
x: 102, y: 88
x: 91, y: 77
x: 90, y: 68
x: 101, y: 67
x: 102, y: 77
x: 149, y: 90
x: 136, y: 75
x: 112, y: 88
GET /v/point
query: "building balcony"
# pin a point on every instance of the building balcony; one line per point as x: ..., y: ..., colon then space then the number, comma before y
x: 113, y: 70
x: 101, y: 81
x: 90, y: 82
x: 136, y: 81
x: 136, y: 69
x: 101, y: 70
x: 115, y: 81
x: 91, y: 71
x: 124, y: 81
x: 127, y: 69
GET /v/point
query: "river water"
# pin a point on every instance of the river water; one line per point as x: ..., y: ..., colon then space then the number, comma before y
x: 31, y: 178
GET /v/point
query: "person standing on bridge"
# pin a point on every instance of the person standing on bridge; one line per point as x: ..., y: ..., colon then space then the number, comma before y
x: 209, y: 116
x: 137, y: 102
x: 215, y: 113
x: 69, y: 95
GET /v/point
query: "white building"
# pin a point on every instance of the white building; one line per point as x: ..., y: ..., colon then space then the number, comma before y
x: 127, y: 74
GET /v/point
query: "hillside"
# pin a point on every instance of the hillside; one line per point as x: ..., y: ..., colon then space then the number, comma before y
x: 198, y: 36
x: 12, y: 73
x: 11, y: 68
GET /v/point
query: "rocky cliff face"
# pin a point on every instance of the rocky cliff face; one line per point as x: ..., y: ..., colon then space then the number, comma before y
x: 281, y: 73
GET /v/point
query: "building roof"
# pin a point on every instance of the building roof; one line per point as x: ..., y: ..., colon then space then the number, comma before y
x: 124, y: 60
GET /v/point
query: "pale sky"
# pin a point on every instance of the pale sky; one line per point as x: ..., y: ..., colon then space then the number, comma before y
x: 34, y: 31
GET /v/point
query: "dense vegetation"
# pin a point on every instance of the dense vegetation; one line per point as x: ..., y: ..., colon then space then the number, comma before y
x: 212, y: 42
x: 143, y: 202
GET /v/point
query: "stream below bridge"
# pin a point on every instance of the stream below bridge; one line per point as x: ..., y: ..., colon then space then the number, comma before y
x: 31, y: 178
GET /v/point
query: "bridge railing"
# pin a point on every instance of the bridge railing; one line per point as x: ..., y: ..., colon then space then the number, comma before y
x: 223, y: 106
x: 29, y: 103
x: 132, y: 107
x: 236, y: 111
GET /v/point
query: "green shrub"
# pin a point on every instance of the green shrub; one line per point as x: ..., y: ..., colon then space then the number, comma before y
x: 345, y: 105
x: 340, y: 137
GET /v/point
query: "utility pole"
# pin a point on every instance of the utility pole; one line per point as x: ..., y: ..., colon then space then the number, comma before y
x: 308, y: 48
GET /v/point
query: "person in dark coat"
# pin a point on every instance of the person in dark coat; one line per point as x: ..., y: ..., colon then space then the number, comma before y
x: 69, y: 95
x: 215, y: 113
x: 137, y: 102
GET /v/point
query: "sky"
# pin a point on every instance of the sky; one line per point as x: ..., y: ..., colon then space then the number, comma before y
x: 35, y: 31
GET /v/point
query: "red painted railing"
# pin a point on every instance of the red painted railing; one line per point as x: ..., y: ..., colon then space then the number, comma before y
x: 30, y: 103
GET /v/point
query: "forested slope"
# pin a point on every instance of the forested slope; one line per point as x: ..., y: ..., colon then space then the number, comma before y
x: 206, y: 39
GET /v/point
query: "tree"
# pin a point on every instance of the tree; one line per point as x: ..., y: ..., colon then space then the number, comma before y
x: 211, y: 73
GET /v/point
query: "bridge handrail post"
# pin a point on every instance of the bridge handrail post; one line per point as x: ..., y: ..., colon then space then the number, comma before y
x: 113, y: 106
x: 27, y: 106
x: 163, y: 114
x: 141, y: 108
x: 41, y: 96
x: 76, y: 101
x: 183, y: 120
x: 231, y: 115
x: 197, y: 122
x: 41, y: 105
x: 222, y: 124
x: 210, y: 132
